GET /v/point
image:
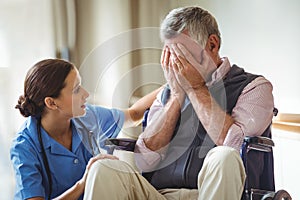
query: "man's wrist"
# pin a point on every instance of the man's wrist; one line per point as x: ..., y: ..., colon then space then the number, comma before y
x: 197, y: 89
x: 179, y: 97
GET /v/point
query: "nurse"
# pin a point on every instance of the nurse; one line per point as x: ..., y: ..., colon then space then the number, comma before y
x: 54, y: 149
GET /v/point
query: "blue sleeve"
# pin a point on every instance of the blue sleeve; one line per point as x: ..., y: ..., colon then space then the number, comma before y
x: 110, y: 121
x: 103, y: 122
x: 27, y: 169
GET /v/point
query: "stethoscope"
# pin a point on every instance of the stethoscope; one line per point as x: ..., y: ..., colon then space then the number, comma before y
x: 45, y: 160
x: 92, y: 142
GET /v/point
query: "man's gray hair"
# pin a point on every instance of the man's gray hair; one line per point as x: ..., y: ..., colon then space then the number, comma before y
x: 198, y: 23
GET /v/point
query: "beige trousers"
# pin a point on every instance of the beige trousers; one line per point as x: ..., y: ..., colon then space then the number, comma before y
x: 221, y: 177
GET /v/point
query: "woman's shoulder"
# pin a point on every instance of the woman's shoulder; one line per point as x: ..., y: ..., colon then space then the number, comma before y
x: 26, y: 134
x: 97, y: 110
x: 99, y: 116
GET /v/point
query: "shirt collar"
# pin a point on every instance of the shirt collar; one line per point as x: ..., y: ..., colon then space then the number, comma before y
x: 48, y: 141
x: 220, y: 72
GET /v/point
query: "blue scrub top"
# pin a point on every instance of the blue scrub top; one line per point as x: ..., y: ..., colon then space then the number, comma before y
x: 66, y: 167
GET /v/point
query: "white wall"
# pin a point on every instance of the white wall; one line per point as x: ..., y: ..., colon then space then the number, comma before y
x: 26, y: 28
x: 286, y: 160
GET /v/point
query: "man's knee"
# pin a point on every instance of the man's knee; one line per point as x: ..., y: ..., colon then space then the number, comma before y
x: 225, y: 158
x: 99, y: 167
x: 108, y: 166
x: 222, y: 174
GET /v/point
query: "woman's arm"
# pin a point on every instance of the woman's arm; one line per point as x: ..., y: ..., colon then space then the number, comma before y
x: 135, y: 113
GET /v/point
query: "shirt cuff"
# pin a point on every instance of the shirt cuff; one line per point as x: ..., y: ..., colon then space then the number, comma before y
x: 234, y: 137
x: 145, y: 158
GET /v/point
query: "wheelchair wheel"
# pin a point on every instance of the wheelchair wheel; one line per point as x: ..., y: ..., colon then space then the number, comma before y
x: 282, y: 195
x: 268, y: 196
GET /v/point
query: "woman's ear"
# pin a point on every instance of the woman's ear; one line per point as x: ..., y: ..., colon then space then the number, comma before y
x: 50, y: 103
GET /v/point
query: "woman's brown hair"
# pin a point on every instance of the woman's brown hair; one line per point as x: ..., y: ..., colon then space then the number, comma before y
x: 45, y: 79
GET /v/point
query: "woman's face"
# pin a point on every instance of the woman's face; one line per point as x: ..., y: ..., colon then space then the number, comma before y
x: 72, y: 99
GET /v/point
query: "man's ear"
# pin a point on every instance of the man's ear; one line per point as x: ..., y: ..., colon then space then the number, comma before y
x: 50, y: 103
x: 213, y: 44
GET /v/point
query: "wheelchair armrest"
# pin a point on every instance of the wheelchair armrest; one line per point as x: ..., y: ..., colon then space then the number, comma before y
x: 125, y: 144
x: 259, y: 140
x: 259, y: 143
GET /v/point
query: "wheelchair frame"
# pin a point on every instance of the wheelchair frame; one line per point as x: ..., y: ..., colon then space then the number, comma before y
x: 264, y: 145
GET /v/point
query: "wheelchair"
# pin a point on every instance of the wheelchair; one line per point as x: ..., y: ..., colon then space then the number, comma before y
x: 255, y: 149
x: 265, y: 189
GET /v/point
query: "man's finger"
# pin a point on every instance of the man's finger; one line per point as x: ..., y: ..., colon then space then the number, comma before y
x: 182, y: 51
x: 162, y: 56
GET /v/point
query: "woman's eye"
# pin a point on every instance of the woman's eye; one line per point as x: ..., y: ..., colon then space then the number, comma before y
x: 77, y: 89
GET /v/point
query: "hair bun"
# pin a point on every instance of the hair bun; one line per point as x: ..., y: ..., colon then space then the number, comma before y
x: 26, y: 106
